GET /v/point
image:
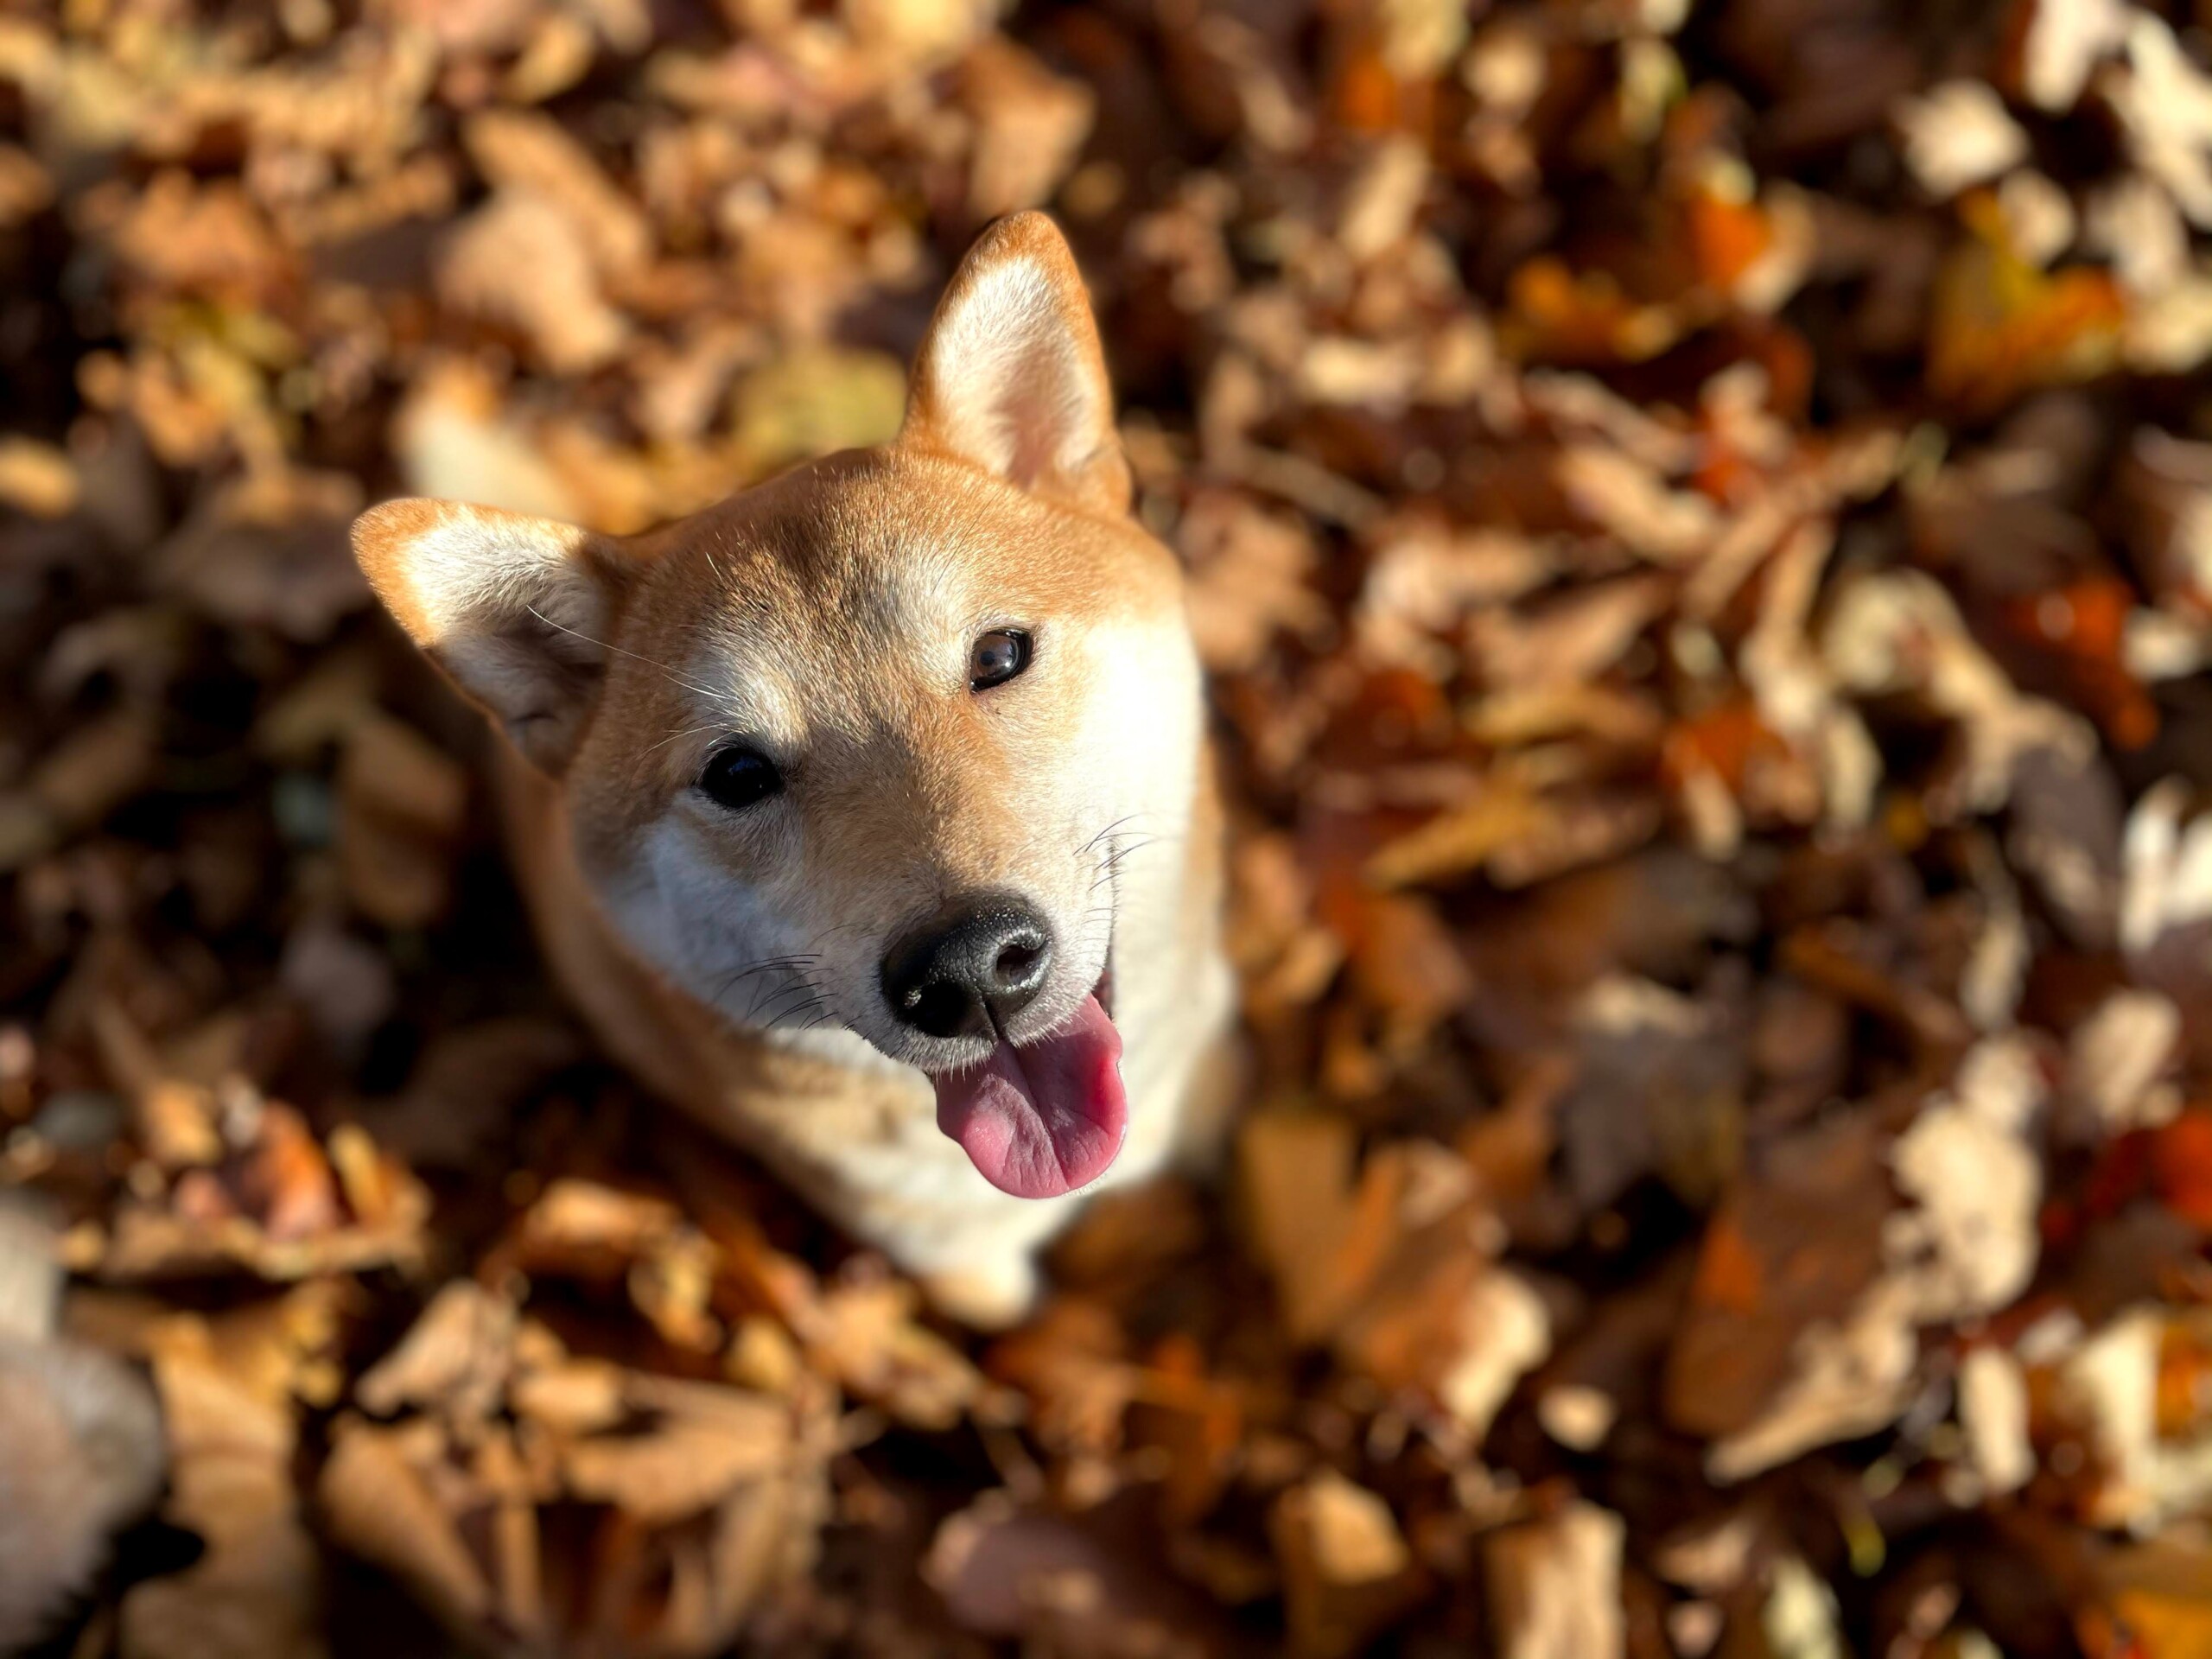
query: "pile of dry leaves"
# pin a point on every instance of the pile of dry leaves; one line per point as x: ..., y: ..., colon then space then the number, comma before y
x: 1700, y: 518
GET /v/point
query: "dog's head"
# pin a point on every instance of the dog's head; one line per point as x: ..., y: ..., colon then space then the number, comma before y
x: 867, y: 745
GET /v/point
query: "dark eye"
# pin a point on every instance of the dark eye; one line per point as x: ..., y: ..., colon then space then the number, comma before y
x: 739, y: 778
x: 998, y: 657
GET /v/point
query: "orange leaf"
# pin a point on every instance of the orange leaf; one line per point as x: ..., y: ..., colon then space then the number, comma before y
x: 2001, y: 327
x: 1368, y: 97
x: 2086, y: 622
x: 1728, y: 238
x: 1725, y: 740
x: 2180, y: 1167
x: 1728, y: 1274
x: 1564, y: 317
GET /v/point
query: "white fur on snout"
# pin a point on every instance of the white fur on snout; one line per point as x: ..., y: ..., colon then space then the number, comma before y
x: 684, y: 913
x: 1125, y: 791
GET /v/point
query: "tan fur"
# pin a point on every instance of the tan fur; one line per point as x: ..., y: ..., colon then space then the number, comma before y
x: 826, y: 618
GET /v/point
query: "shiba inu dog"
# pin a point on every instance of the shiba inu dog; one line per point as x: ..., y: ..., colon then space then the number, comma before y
x: 869, y: 814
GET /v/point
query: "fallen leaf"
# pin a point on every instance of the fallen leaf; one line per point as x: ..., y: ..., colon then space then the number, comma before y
x: 1347, y: 1573
x: 1554, y: 1586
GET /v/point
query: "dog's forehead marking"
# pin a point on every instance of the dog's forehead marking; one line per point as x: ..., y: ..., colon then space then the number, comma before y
x: 800, y: 651
x: 828, y: 607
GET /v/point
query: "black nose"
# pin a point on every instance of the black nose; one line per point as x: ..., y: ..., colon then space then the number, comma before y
x: 969, y: 970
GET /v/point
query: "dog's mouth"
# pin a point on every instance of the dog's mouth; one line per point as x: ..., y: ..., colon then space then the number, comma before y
x: 1044, y: 1117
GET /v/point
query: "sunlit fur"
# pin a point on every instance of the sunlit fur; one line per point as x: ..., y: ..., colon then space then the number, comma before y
x: 826, y: 619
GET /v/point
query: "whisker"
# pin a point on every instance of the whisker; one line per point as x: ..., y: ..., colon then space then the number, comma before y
x: 767, y: 964
x: 793, y: 1002
x: 785, y: 965
x: 826, y: 1013
x: 763, y: 994
x: 1114, y: 859
x: 1088, y: 845
x: 788, y: 1001
x: 693, y: 731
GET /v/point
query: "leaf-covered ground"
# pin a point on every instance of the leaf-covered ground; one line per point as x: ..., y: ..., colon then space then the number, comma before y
x: 1700, y: 517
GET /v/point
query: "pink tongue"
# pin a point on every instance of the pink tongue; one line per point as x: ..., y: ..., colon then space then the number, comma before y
x: 1044, y: 1118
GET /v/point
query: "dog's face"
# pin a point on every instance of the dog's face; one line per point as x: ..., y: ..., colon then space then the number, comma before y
x: 872, y: 746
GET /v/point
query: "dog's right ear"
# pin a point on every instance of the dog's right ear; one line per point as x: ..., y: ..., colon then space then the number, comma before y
x: 1010, y: 377
x: 514, y: 609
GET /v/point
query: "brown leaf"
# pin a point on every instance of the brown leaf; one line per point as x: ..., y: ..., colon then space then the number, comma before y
x: 867, y: 1336
x: 1555, y: 1586
x: 456, y: 1358
x: 35, y: 478
x: 528, y: 152
x: 1347, y: 1573
x: 403, y: 805
x: 256, y: 1593
x: 1029, y: 125
x: 1080, y: 1584
x: 1793, y: 1242
x: 1296, y: 1170
x: 665, y: 1473
x: 522, y: 262
x: 270, y: 550
x: 378, y: 1506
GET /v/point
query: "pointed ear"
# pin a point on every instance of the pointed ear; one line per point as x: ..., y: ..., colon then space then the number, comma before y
x: 512, y: 608
x: 1010, y: 376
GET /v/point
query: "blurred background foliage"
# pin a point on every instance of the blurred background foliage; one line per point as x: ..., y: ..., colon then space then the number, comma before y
x: 1700, y: 518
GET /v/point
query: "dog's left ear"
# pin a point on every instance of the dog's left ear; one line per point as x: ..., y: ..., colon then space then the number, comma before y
x: 1010, y: 376
x: 515, y: 610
